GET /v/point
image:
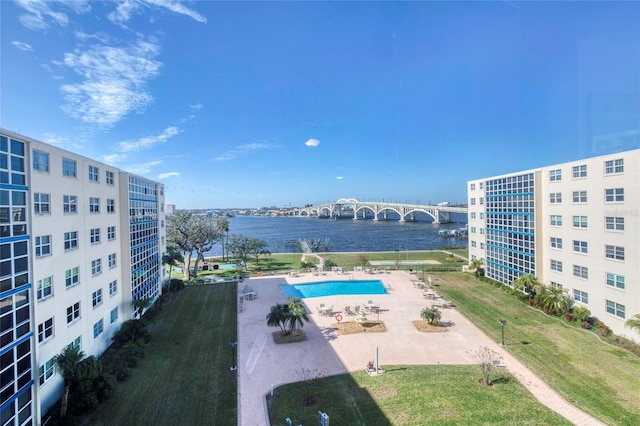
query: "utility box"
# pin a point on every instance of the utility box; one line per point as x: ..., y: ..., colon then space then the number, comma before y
x: 323, y: 419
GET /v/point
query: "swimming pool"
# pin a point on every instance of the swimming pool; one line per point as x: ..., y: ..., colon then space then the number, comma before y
x: 333, y: 288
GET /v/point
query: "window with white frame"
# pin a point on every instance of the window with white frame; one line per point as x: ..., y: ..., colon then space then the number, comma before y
x: 580, y: 222
x: 616, y: 309
x: 472, y: 186
x: 70, y: 203
x: 43, y: 245
x: 112, y: 260
x: 581, y: 272
x: 555, y: 197
x: 46, y: 371
x: 556, y: 220
x: 111, y: 205
x: 71, y: 240
x: 95, y: 235
x: 581, y: 296
x: 579, y: 171
x: 614, y: 166
x: 481, y: 185
x: 612, y: 223
x: 114, y: 315
x: 473, y: 215
x: 481, y: 218
x: 96, y: 267
x: 556, y: 243
x: 94, y: 205
x: 94, y: 173
x: 555, y: 175
x: 481, y: 200
x: 73, y: 312
x: 580, y: 247
x: 45, y: 330
x: 481, y: 231
x: 556, y: 285
x: 473, y: 201
x: 556, y: 265
x: 473, y: 229
x: 614, y: 195
x: 579, y: 197
x: 109, y: 178
x: 614, y: 280
x: 481, y: 246
x: 96, y: 298
x: 68, y: 167
x: 72, y: 277
x: 113, y: 287
x: 44, y: 288
x: 40, y: 161
x: 98, y: 328
x: 614, y: 252
x: 41, y: 203
x: 111, y: 233
x: 76, y: 343
x: 473, y: 244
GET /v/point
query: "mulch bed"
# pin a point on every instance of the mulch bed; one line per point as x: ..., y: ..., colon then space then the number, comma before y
x: 295, y: 336
x: 351, y: 327
x: 424, y: 326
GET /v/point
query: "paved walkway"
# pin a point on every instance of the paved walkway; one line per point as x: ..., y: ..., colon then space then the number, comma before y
x: 263, y: 365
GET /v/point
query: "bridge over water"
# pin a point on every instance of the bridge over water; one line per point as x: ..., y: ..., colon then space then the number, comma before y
x: 347, y: 207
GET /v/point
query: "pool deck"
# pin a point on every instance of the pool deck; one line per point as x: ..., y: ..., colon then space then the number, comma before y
x: 263, y: 365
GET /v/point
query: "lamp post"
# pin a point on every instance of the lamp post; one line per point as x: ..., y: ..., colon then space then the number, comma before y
x: 233, y: 345
x: 502, y: 324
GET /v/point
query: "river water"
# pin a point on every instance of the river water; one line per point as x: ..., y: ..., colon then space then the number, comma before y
x: 343, y: 235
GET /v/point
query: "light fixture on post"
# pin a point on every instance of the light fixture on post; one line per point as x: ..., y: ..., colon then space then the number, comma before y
x: 502, y: 324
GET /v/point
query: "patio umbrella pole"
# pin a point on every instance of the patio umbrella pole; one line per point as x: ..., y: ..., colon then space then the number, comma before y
x: 377, y: 364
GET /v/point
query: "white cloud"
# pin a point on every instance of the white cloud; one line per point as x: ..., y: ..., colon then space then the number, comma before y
x: 148, y: 142
x: 40, y: 14
x: 126, y: 9
x: 243, y: 150
x: 114, y: 159
x: 114, y: 81
x: 312, y: 142
x: 196, y: 107
x: 167, y: 175
x: 22, y: 46
x: 142, y: 168
x: 339, y: 177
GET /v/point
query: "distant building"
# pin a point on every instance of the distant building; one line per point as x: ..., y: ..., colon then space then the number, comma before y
x: 79, y: 241
x: 171, y: 208
x: 574, y: 225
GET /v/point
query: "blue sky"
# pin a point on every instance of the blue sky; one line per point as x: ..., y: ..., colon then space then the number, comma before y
x: 247, y: 104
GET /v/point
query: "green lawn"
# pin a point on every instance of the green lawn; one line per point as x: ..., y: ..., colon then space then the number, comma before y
x: 184, y: 377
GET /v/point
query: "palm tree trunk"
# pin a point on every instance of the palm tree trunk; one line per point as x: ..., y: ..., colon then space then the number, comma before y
x: 64, y: 401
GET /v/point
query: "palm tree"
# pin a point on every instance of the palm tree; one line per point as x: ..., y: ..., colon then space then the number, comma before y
x: 223, y: 226
x: 68, y: 364
x: 476, y: 265
x: 431, y: 315
x: 173, y: 258
x: 553, y: 300
x: 634, y: 322
x: 527, y: 283
x: 278, y: 317
x: 297, y: 313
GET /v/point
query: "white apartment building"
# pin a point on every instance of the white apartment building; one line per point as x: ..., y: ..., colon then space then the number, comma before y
x: 79, y: 241
x: 574, y: 225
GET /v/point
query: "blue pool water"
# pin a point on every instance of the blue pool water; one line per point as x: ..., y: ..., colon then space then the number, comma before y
x: 332, y: 288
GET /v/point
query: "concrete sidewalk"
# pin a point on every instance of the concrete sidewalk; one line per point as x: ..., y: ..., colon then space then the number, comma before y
x: 263, y: 365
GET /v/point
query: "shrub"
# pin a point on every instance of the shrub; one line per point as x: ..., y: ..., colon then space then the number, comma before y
x: 328, y: 263
x: 131, y: 353
x: 130, y: 331
x: 604, y: 329
x: 582, y: 314
x: 569, y: 316
x: 585, y: 324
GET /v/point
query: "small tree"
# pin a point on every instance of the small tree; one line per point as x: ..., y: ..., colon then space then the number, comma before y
x: 633, y: 323
x: 476, y: 266
x: 363, y: 259
x: 431, y: 315
x: 67, y: 363
x: 485, y: 358
x: 553, y: 300
x: 297, y: 314
x: 173, y: 258
x: 257, y: 248
x: 278, y: 316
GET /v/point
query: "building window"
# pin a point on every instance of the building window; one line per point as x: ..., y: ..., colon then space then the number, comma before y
x: 96, y: 298
x: 481, y: 231
x: 114, y: 315
x: 95, y: 236
x: 96, y: 267
x: 481, y: 200
x: 579, y: 171
x: 580, y: 246
x: 68, y: 167
x: 109, y: 179
x: 556, y: 285
x: 614, y: 195
x: 46, y: 371
x: 579, y: 221
x: 580, y: 197
x: 41, y: 203
x: 615, y: 280
x: 111, y: 233
x: 473, y: 229
x: 616, y: 309
x: 556, y: 220
x: 70, y: 240
x: 94, y: 172
x: 98, y: 328
x: 472, y: 187
x: 556, y: 265
x: 614, y: 223
x: 614, y: 166
x: 473, y: 244
x: 113, y: 288
x: 481, y: 185
x: 43, y: 245
x: 481, y: 246
x: 76, y: 342
x: 614, y: 252
x: 555, y: 175
x: 40, y: 161
x: 44, y: 288
x: 555, y: 197
x: 73, y: 312
x: 473, y: 201
x: 94, y: 205
x: 581, y: 272
x: 481, y: 218
x: 45, y: 330
x: 70, y: 203
x: 473, y: 215
x: 581, y: 296
x: 111, y: 205
x: 556, y: 243
x: 112, y: 260
x: 72, y: 277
